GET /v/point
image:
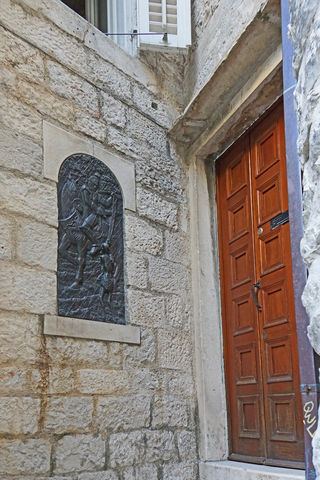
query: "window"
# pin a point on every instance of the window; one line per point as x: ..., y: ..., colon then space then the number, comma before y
x: 156, y: 23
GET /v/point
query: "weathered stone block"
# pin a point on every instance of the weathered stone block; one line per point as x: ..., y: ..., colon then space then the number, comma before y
x: 109, y: 78
x: 144, y: 354
x: 20, y: 152
x: 103, y: 381
x: 26, y: 59
x: 141, y: 236
x: 20, y: 118
x: 178, y: 313
x: 77, y: 351
x: 19, y: 415
x: 123, y: 413
x: 13, y: 380
x: 113, y: 111
x: 144, y: 99
x: 61, y: 380
x: 160, y: 445
x: 137, y: 270
x: 169, y: 412
x: 90, y: 126
x: 179, y: 471
x: 37, y: 244
x: 27, y: 289
x: 73, y: 88
x: 146, y: 309
x: 68, y: 414
x: 168, y: 277
x: 143, y: 129
x: 174, y: 350
x: 28, y: 196
x: 19, y: 337
x: 29, y: 456
x: 176, y: 247
x: 142, y: 380
x: 156, y: 208
x: 143, y: 472
x: 126, y: 449
x: 187, y: 445
x: 105, y: 475
x: 80, y: 453
x: 6, y: 237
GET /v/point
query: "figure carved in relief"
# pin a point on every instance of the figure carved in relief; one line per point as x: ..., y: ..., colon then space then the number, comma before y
x: 79, y: 227
x: 90, y: 254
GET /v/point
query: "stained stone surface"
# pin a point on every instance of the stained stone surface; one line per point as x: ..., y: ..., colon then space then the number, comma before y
x: 90, y: 252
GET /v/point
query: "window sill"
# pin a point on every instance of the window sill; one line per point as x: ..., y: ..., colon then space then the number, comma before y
x: 91, y: 330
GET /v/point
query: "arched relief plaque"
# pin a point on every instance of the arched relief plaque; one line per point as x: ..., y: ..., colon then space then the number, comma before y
x: 90, y: 239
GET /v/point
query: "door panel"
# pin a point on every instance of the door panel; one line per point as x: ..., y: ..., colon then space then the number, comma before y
x: 259, y: 323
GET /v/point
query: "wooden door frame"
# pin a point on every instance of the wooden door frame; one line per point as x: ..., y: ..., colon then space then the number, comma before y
x: 246, y: 134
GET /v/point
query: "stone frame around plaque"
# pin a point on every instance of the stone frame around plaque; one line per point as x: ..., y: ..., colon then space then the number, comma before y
x: 58, y: 145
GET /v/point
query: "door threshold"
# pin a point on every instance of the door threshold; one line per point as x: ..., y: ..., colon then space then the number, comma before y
x: 229, y: 470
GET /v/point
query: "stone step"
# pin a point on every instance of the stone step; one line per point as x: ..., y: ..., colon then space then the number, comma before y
x: 228, y: 470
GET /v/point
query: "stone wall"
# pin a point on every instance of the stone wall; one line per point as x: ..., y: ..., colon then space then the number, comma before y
x: 305, y: 34
x: 78, y: 409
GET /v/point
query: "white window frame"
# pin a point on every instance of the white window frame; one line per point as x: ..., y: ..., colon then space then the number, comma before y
x: 183, y: 37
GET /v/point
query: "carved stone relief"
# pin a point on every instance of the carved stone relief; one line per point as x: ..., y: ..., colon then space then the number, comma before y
x: 90, y: 256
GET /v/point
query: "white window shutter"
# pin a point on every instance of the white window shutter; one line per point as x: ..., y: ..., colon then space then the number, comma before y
x: 168, y: 23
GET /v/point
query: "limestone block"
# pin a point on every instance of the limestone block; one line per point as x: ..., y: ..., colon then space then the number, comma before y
x: 169, y: 412
x: 174, y: 350
x: 124, y: 413
x: 27, y: 289
x: 105, y: 475
x: 89, y: 126
x: 144, y: 99
x: 109, y: 78
x: 73, y: 88
x: 156, y: 208
x: 68, y: 414
x: 136, y: 269
x: 37, y: 244
x: 143, y: 129
x: 160, y: 445
x: 160, y: 172
x: 61, y: 380
x: 144, y: 354
x: 27, y: 60
x: 43, y: 101
x: 19, y: 337
x: 115, y: 355
x: 77, y: 351
x: 146, y: 309
x: 126, y: 449
x: 142, y: 472
x: 143, y: 380
x: 61, y: 15
x: 8, y: 80
x: 29, y: 456
x: 179, y: 471
x: 113, y: 111
x: 168, y: 277
x: 19, y: 415
x: 77, y: 453
x: 49, y: 38
x: 178, y: 312
x: 187, y: 445
x: 119, y: 140
x: 178, y: 382
x: 176, y: 247
x: 6, y: 246
x: 20, y: 152
x: 142, y: 236
x: 102, y: 381
x: 30, y: 197
x: 20, y: 118
x: 13, y: 380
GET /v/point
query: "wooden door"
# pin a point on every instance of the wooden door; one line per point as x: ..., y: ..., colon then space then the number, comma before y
x: 257, y: 297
